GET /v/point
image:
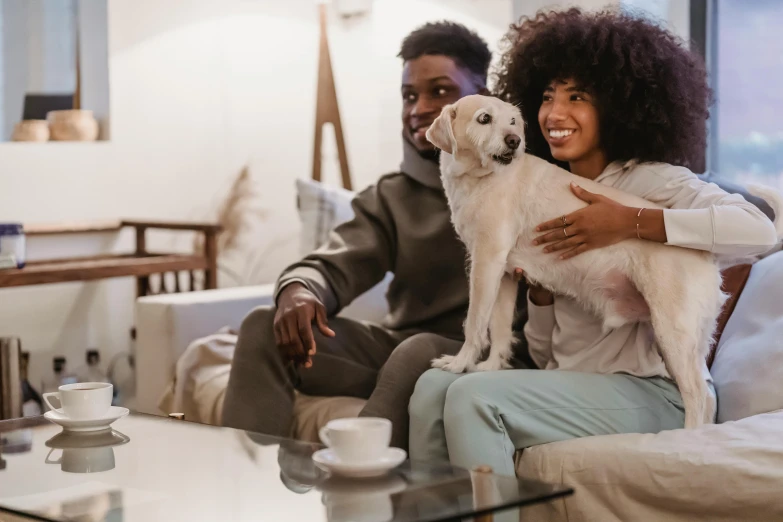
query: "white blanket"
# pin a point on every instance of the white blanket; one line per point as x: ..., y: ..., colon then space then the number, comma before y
x: 721, y: 472
x: 201, y: 378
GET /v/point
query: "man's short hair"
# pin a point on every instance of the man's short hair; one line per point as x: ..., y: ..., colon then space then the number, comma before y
x: 450, y: 39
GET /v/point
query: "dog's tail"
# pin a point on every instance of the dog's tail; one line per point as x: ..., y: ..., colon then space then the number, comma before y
x: 774, y: 199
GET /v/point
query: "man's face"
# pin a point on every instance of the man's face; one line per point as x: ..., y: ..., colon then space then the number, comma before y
x: 429, y: 83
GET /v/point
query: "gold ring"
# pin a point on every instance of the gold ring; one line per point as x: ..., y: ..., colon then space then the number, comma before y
x: 564, y: 232
x: 565, y: 224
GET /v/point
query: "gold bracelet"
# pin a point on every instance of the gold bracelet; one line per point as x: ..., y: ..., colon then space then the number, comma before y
x: 637, y: 223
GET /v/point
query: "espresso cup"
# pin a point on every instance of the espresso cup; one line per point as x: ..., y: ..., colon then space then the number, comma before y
x: 82, y: 400
x: 357, y: 440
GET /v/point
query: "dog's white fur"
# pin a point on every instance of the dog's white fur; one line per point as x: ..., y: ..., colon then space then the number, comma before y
x: 495, y: 208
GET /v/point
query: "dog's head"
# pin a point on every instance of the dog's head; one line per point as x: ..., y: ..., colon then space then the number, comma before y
x: 480, y: 129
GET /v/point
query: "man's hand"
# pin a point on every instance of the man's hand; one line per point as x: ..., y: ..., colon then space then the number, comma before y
x: 297, y: 308
x: 539, y: 295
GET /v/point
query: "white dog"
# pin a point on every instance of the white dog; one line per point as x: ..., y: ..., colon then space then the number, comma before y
x: 497, y: 195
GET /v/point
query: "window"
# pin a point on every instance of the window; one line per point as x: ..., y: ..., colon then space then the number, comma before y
x: 39, y: 70
x: 745, y: 58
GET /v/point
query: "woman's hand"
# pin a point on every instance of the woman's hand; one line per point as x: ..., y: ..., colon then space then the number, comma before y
x: 601, y: 223
x: 539, y: 295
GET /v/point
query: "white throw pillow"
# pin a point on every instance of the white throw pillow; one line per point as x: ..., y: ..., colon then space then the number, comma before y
x: 321, y: 208
x: 748, y: 367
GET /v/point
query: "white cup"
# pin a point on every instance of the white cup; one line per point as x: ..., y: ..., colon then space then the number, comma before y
x: 82, y: 400
x: 362, y: 439
x: 368, y: 500
x: 84, y: 460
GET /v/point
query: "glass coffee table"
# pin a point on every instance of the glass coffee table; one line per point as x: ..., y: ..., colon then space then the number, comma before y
x: 149, y: 468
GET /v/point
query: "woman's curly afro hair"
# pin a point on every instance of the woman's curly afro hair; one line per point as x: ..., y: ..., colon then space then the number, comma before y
x: 650, y: 91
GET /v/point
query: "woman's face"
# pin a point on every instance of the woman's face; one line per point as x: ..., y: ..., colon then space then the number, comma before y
x: 569, y: 120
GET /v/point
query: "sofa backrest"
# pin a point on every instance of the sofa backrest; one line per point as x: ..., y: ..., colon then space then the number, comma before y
x: 734, y: 279
x: 748, y: 366
x: 321, y: 208
x: 734, y: 188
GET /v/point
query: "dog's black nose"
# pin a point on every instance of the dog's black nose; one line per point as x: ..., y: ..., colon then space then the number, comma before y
x: 513, y: 141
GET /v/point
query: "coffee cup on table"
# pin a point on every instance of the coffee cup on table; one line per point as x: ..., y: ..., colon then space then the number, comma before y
x: 364, y: 439
x: 82, y: 400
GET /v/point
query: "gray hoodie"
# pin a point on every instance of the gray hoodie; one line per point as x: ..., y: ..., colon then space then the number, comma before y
x: 401, y: 225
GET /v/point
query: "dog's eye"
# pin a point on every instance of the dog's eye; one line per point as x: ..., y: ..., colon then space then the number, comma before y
x: 484, y: 118
x: 513, y: 121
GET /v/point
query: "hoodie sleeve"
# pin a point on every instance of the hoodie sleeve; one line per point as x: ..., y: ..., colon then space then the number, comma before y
x: 355, y: 258
x: 703, y: 216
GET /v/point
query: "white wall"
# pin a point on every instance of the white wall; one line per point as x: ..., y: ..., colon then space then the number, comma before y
x: 674, y: 13
x: 198, y: 89
x: 530, y: 7
x: 2, y: 83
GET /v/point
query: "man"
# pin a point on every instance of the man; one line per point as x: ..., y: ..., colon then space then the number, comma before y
x: 401, y: 225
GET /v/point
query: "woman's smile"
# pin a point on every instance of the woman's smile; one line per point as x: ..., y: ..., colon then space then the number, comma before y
x: 559, y: 137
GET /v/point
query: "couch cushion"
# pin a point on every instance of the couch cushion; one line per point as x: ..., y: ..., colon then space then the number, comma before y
x: 312, y: 413
x: 734, y: 279
x: 719, y: 472
x: 321, y: 208
x: 748, y: 367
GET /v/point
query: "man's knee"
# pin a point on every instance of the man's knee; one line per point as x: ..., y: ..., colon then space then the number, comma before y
x: 257, y: 330
x: 259, y: 317
x: 417, y: 352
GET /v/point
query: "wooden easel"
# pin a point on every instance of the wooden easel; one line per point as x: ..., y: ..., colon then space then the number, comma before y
x: 326, y: 108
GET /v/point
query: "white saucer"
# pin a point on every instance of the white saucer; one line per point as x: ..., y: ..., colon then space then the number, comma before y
x: 328, y: 461
x: 101, y: 423
x: 91, y: 439
x: 337, y: 487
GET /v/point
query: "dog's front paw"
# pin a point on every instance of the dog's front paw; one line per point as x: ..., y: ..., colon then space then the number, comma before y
x: 493, y: 364
x: 454, y: 363
x: 442, y: 361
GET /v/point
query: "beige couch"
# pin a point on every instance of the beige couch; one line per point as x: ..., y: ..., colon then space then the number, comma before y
x: 729, y: 471
x: 185, y: 343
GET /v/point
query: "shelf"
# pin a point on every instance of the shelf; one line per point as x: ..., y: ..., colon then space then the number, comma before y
x: 99, y: 267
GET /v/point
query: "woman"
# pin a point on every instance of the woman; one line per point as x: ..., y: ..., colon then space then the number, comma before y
x: 621, y: 101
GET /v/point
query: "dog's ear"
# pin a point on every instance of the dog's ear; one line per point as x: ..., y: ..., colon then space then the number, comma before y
x: 440, y: 132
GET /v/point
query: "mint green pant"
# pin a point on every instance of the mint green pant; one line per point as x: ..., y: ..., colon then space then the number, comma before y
x: 484, y: 418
